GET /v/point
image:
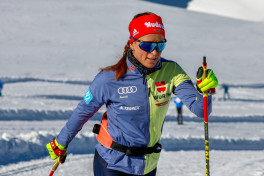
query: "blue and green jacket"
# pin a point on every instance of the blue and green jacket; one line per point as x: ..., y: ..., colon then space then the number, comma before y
x: 136, y: 109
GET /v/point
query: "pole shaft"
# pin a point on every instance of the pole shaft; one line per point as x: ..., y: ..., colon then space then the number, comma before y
x: 54, y: 168
x: 206, y: 134
x: 51, y: 173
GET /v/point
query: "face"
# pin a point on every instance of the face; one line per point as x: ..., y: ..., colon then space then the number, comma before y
x: 149, y: 60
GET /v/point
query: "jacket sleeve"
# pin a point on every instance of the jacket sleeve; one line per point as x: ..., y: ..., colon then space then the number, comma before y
x: 192, y: 98
x: 94, y: 98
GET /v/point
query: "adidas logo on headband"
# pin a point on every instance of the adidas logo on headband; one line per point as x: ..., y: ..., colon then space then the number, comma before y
x: 135, y: 32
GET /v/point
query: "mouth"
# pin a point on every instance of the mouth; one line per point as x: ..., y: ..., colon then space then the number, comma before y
x: 151, y: 62
x: 152, y: 59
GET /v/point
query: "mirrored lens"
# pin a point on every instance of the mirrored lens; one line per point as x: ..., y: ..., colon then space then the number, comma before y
x: 161, y: 46
x: 149, y: 46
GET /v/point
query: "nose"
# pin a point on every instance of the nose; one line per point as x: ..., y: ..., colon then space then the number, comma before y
x: 154, y: 52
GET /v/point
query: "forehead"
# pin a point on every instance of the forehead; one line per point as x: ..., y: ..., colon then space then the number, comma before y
x: 152, y: 37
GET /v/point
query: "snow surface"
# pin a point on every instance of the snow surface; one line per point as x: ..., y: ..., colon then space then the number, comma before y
x: 251, y: 10
x: 51, y: 50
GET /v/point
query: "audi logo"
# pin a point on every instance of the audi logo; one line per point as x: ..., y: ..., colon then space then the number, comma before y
x: 127, y: 90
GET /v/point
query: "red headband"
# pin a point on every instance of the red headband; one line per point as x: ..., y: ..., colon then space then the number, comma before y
x: 146, y: 24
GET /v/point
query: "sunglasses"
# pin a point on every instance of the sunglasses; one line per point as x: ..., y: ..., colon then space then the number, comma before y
x: 151, y: 46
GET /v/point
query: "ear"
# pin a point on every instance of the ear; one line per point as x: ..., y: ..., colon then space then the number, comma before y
x: 132, y: 47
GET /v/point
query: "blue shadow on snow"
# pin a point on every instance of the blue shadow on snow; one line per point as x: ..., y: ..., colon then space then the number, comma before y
x: 176, y: 3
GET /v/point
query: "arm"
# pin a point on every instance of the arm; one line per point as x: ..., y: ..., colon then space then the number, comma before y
x: 80, y: 116
x: 93, y: 100
x: 192, y: 98
x: 58, y: 146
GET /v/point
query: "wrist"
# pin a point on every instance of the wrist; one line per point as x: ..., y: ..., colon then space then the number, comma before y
x: 61, y: 147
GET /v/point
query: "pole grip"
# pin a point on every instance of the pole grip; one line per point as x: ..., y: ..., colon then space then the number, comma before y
x: 204, y: 61
x: 204, y: 73
x: 204, y: 67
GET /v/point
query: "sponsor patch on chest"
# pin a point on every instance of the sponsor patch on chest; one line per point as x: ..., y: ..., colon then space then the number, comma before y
x: 133, y: 108
x: 161, y: 95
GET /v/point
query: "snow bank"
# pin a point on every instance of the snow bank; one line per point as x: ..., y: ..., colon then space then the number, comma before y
x: 25, y: 147
x: 31, y: 145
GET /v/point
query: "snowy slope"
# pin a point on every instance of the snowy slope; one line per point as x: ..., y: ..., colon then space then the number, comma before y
x: 67, y: 39
x: 251, y: 10
x: 51, y: 50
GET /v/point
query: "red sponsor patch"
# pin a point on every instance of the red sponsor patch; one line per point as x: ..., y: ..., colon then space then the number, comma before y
x: 132, y: 67
x: 161, y: 86
x: 163, y: 103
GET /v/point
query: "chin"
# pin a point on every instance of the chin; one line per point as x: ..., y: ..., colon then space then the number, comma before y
x: 150, y: 65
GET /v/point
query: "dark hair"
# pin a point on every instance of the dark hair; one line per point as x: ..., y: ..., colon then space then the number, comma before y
x: 120, y: 68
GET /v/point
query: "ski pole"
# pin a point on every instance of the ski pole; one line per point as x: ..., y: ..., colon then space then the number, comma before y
x: 55, y: 166
x: 205, y: 95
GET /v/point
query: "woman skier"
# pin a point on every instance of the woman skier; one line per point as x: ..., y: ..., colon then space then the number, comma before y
x: 136, y: 91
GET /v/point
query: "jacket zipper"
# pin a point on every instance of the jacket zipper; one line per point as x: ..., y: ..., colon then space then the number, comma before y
x: 144, y: 79
x: 148, y: 105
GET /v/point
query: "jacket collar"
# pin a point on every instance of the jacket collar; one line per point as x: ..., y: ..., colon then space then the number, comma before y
x: 134, y: 68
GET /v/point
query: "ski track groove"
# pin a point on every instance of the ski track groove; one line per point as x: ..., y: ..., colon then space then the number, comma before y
x: 38, y: 165
x: 26, y: 169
